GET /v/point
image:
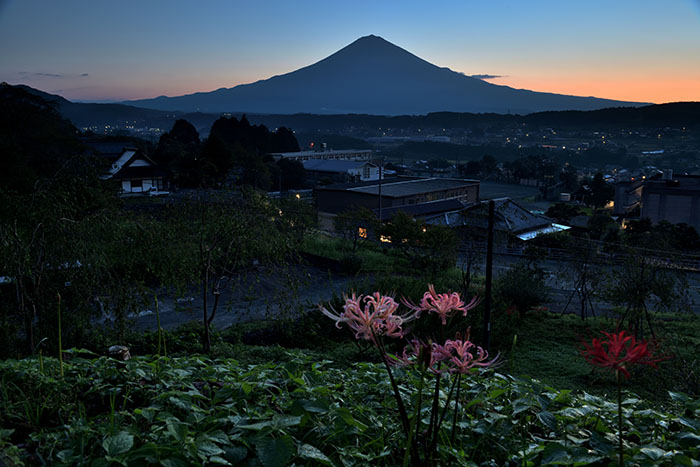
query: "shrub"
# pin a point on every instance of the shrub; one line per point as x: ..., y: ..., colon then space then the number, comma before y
x: 522, y: 287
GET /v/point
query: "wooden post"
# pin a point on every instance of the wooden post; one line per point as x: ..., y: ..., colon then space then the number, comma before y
x: 489, y: 277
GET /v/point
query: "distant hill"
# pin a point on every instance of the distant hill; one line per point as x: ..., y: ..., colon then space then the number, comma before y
x: 374, y: 76
x: 679, y: 114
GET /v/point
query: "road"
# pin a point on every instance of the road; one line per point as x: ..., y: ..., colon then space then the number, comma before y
x: 291, y: 291
x: 255, y: 296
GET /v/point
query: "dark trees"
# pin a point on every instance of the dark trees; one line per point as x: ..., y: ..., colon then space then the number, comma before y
x: 291, y: 174
x: 430, y: 249
x: 358, y: 227
x: 601, y: 191
x: 178, y: 151
x: 563, y: 212
x: 35, y: 141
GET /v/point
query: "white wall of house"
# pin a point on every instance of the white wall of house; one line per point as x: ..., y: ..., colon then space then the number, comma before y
x: 138, y: 186
x: 365, y: 173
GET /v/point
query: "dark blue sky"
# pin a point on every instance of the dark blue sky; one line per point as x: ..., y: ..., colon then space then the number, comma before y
x: 643, y: 50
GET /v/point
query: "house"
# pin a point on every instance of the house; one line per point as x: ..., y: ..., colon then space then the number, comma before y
x: 628, y: 196
x: 675, y: 199
x: 510, y: 220
x: 137, y: 173
x: 406, y: 192
x: 340, y: 171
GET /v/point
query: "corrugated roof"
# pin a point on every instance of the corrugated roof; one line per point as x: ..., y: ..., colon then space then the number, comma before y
x: 403, y: 188
x: 509, y: 217
x: 331, y: 152
x: 424, y: 209
x: 325, y: 165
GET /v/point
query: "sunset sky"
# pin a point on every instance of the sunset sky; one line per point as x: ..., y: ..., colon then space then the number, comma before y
x: 641, y: 50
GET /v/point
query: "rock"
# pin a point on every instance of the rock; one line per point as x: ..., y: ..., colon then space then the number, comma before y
x: 119, y: 352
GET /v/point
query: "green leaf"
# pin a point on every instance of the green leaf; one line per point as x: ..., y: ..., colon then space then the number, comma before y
x: 308, y: 452
x: 118, y: 444
x: 235, y: 454
x: 275, y: 452
x: 176, y: 428
x: 521, y: 405
x: 653, y: 452
x: 679, y: 397
x: 174, y: 462
x: 66, y: 456
x: 688, y: 439
x: 680, y: 459
x: 548, y: 420
x: 206, y: 447
x: 219, y: 460
x: 347, y: 417
x: 555, y: 453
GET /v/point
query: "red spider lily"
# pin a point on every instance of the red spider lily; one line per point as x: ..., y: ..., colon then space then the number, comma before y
x: 371, y: 316
x: 445, y: 305
x: 463, y: 355
x: 618, y: 351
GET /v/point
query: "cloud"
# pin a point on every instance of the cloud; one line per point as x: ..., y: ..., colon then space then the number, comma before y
x: 27, y: 74
x: 35, y: 74
x: 486, y: 76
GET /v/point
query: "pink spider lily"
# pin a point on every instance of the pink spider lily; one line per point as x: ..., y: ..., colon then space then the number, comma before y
x: 617, y: 352
x: 445, y: 305
x: 427, y: 355
x: 462, y: 355
x: 371, y: 316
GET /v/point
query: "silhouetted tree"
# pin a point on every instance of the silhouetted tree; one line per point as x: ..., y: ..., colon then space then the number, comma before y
x: 35, y: 141
x: 601, y: 191
x: 179, y: 152
x: 291, y: 173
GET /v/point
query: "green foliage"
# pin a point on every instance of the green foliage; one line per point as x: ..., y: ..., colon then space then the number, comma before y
x: 563, y: 212
x: 601, y: 225
x: 358, y: 227
x: 429, y: 249
x: 195, y: 410
x: 522, y: 287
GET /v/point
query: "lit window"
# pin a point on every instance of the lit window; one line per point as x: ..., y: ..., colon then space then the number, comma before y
x: 384, y: 239
x: 362, y: 232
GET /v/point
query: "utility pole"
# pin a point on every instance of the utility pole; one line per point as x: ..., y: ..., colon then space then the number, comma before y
x: 489, y: 276
x: 381, y: 163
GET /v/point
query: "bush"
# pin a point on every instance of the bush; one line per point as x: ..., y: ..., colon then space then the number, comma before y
x: 521, y: 287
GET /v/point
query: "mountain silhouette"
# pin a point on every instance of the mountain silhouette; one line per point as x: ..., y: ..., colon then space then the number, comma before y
x: 374, y: 76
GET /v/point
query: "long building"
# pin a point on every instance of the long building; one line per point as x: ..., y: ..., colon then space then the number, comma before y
x: 675, y: 199
x: 408, y: 192
x: 327, y: 154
